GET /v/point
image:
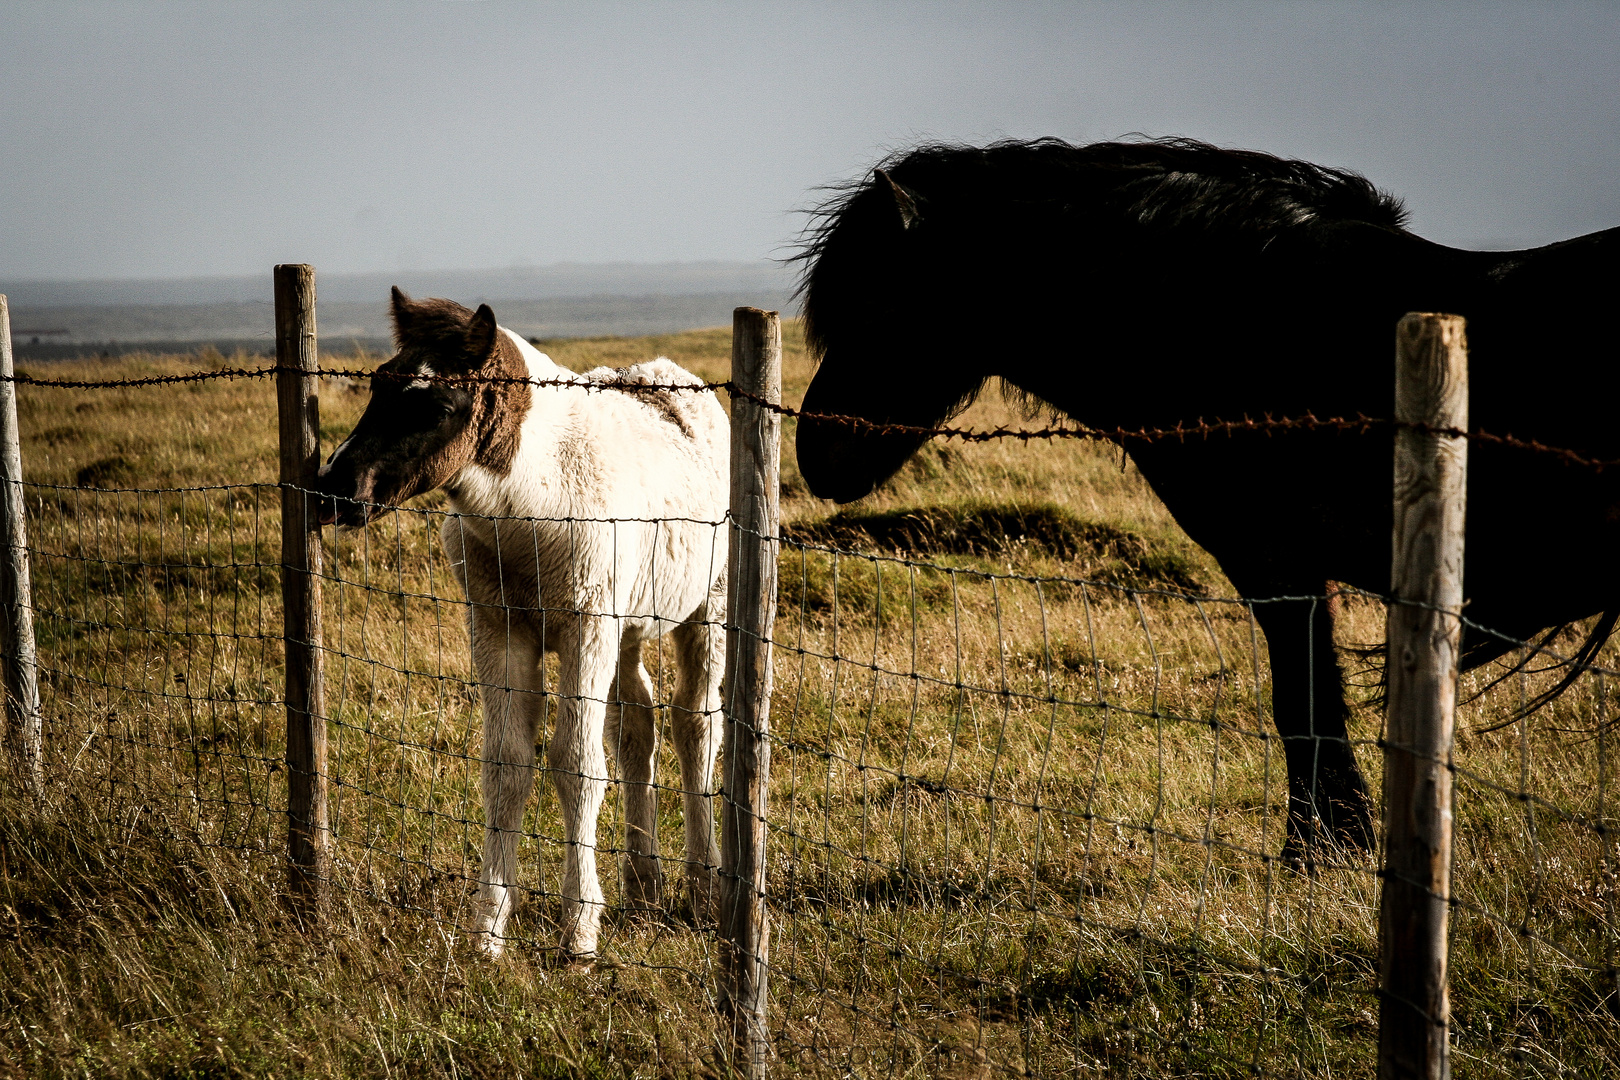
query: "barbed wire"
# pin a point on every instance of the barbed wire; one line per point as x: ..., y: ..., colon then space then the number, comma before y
x: 23, y: 379
x: 1360, y: 424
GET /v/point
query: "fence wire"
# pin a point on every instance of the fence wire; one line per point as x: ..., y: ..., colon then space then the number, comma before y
x: 1020, y: 823
x: 160, y: 644
x: 406, y: 735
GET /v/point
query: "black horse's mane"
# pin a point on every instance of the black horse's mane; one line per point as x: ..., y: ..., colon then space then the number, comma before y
x: 1178, y: 187
x: 1170, y: 182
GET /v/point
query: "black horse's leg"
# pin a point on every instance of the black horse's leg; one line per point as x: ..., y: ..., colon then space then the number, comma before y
x: 1327, y: 797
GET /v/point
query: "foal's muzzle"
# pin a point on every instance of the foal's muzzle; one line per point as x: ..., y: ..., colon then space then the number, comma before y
x: 344, y: 498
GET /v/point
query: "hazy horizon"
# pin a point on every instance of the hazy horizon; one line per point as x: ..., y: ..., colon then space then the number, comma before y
x: 563, y: 280
x: 184, y: 140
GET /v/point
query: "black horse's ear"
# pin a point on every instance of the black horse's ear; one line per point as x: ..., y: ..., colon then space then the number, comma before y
x: 481, y: 333
x: 905, y: 200
x: 404, y: 316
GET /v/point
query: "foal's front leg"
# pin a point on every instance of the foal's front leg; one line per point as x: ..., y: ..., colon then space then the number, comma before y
x: 507, y: 660
x: 579, y: 769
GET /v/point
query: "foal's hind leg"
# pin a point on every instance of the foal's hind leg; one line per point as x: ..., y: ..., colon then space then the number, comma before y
x: 700, y: 648
x: 632, y: 731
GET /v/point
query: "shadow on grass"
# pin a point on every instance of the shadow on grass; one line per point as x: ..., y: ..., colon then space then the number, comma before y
x: 1100, y: 552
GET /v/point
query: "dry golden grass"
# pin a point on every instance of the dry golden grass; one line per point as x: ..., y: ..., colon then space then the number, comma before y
x: 1019, y: 823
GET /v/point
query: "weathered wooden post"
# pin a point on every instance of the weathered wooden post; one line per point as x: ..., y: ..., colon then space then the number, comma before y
x: 756, y: 369
x: 24, y: 733
x: 1425, y: 635
x: 298, y: 403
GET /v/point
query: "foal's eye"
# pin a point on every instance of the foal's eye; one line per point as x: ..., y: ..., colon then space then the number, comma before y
x: 430, y: 405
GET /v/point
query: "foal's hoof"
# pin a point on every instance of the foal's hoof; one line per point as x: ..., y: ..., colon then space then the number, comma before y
x: 487, y: 944
x: 643, y: 895
x: 703, y: 899
x: 565, y: 961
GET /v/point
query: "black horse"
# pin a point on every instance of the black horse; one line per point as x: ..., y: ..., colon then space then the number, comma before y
x: 1140, y: 284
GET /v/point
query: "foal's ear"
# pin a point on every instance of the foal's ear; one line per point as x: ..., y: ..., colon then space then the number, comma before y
x: 404, y: 316
x: 481, y: 334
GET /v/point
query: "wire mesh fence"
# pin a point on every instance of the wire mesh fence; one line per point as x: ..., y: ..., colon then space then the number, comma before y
x: 1024, y: 824
x: 1010, y: 827
x: 160, y: 652
x: 407, y: 738
x: 1034, y: 822
x: 1021, y: 821
x: 160, y: 639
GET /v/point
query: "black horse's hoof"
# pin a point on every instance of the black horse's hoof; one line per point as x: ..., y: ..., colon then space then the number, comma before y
x: 1344, y: 834
x: 1349, y: 825
x: 1299, y: 856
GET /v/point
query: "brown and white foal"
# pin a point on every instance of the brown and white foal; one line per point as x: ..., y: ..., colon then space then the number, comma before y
x: 584, y: 525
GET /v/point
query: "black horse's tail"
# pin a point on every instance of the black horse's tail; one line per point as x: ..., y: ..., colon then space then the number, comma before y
x: 1576, y: 664
x: 1373, y: 656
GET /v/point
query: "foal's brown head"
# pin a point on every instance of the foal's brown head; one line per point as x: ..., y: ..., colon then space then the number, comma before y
x: 439, y: 405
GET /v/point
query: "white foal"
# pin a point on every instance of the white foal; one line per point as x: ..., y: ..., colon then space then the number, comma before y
x: 586, y: 524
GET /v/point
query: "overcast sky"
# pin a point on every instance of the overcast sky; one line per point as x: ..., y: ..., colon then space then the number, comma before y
x: 157, y: 139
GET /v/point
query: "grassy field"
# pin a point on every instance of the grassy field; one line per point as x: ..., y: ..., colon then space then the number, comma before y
x: 1022, y: 810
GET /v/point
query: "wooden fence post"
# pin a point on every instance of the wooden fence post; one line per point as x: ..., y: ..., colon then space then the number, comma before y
x: 24, y: 737
x: 1424, y: 635
x: 756, y: 369
x: 298, y: 403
